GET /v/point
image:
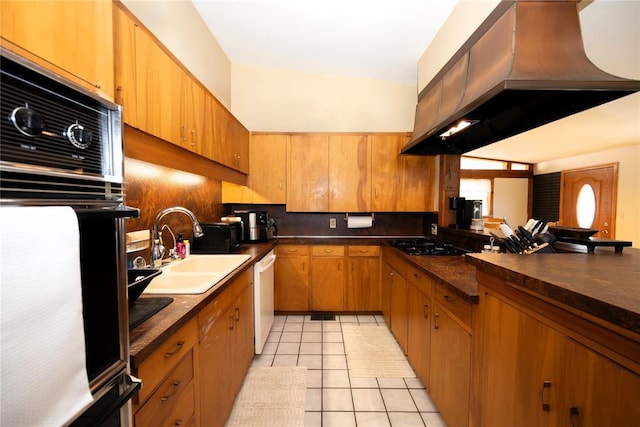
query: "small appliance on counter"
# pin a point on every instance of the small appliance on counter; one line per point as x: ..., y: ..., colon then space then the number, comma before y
x: 219, y: 238
x: 254, y: 224
x: 468, y: 213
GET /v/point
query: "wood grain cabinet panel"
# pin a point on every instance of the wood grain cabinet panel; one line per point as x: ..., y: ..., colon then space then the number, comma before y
x: 534, y: 375
x: 420, y: 309
x: 327, y: 278
x: 125, y: 65
x: 349, y: 173
x: 362, y: 291
x: 268, y: 174
x: 292, y: 278
x: 308, y: 173
x: 74, y: 39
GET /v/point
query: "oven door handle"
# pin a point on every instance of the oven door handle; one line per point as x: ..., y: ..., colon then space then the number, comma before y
x: 107, y: 213
x: 133, y: 384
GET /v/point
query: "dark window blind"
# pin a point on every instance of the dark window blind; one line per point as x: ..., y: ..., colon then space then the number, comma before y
x: 546, y: 196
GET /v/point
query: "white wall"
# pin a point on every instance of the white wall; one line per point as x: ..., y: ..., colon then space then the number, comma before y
x: 510, y: 197
x: 628, y: 200
x: 271, y: 99
x: 180, y: 28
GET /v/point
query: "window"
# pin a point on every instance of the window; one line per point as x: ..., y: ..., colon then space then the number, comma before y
x: 477, y: 189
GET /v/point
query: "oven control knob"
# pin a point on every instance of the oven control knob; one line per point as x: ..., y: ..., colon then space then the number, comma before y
x: 27, y: 121
x: 79, y: 136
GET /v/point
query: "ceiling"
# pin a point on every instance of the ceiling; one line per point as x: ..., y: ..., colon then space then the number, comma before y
x: 383, y: 39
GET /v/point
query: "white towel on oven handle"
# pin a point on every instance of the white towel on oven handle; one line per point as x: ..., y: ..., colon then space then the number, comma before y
x: 44, y: 379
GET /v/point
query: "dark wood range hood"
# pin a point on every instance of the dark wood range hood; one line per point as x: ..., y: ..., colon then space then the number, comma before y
x: 525, y: 66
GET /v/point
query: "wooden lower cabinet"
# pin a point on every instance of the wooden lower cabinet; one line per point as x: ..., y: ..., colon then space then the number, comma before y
x: 169, y: 378
x: 328, y: 278
x: 419, y: 308
x: 385, y: 291
x: 226, y: 349
x: 532, y: 374
x: 292, y: 278
x: 399, y: 310
x: 362, y: 292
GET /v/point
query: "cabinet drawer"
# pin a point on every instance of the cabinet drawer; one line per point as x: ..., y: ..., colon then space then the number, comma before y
x: 455, y: 304
x: 165, y: 358
x: 327, y: 250
x: 292, y: 250
x: 364, y: 250
x: 162, y: 403
x: 420, y: 280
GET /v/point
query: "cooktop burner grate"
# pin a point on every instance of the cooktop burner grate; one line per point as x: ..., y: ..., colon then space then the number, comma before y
x: 427, y: 247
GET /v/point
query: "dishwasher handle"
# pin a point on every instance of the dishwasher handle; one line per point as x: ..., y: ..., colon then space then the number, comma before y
x: 262, y: 267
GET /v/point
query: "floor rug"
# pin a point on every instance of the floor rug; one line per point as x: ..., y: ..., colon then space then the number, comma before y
x: 271, y: 397
x: 373, y: 352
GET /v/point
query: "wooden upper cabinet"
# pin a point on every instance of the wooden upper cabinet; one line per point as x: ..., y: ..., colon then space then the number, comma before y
x: 125, y: 65
x: 74, y: 39
x: 349, y: 173
x: 308, y: 173
x: 402, y: 183
x: 159, y: 85
x: 231, y: 140
x: 268, y: 177
x: 192, y: 129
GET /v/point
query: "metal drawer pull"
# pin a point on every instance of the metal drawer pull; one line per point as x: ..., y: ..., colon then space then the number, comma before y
x: 232, y: 322
x: 573, y: 414
x: 178, y: 423
x: 237, y: 314
x: 449, y: 299
x: 172, y: 391
x: 425, y: 311
x: 178, y: 347
x: 545, y: 405
x: 364, y: 251
x: 436, y: 321
x: 328, y: 251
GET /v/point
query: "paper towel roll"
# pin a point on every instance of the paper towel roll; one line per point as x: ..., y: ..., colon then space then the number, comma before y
x: 359, y: 222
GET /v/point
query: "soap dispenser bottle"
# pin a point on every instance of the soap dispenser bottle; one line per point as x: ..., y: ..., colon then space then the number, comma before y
x: 180, y: 246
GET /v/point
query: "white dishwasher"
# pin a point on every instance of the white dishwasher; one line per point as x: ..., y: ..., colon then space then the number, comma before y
x: 263, y: 284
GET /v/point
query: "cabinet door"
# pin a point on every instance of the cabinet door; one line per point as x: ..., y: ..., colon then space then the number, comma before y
x: 73, y: 36
x: 158, y: 83
x: 292, y: 282
x: 450, y: 367
x: 399, y: 309
x: 388, y: 274
x: 268, y: 174
x: 419, y: 332
x: 192, y: 135
x: 216, y: 376
x: 363, y: 284
x: 420, y: 183
x: 231, y: 146
x: 327, y: 284
x: 349, y: 173
x: 308, y: 173
x: 244, y: 328
x: 125, y: 65
x: 387, y: 173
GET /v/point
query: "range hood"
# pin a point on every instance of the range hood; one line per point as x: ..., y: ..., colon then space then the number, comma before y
x: 524, y: 67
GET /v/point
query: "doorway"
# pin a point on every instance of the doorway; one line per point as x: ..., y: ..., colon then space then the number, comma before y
x: 588, y: 199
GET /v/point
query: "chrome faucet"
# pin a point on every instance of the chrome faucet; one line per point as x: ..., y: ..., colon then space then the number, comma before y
x: 157, y: 250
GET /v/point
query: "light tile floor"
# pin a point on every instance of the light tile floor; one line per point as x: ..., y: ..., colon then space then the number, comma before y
x: 333, y: 397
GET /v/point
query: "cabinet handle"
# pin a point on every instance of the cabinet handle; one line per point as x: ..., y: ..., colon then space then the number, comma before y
x: 120, y: 95
x: 292, y: 250
x: 391, y: 273
x: 425, y: 311
x: 417, y: 276
x: 178, y: 423
x: 231, y: 322
x: 183, y: 133
x: 280, y: 185
x: 172, y: 390
x: 436, y: 321
x: 178, y: 347
x: 328, y: 251
x: 303, y: 263
x: 449, y: 299
x: 193, y: 137
x: 545, y: 404
x: 573, y: 415
x: 339, y: 266
x: 364, y: 251
x: 237, y: 314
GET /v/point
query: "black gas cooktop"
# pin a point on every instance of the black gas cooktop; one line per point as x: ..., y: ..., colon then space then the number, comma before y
x: 427, y: 247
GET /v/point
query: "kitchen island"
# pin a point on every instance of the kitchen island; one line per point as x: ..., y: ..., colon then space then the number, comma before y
x: 556, y: 339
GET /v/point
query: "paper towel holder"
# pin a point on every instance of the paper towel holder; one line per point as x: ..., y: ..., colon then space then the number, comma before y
x: 346, y: 217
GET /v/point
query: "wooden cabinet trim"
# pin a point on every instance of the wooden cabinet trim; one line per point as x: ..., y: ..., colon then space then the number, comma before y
x: 456, y: 306
x: 363, y: 250
x: 327, y: 250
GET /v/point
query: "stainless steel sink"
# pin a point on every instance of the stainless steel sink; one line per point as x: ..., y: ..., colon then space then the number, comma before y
x: 195, y: 275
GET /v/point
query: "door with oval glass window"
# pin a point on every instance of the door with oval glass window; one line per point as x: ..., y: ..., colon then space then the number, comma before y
x: 588, y: 199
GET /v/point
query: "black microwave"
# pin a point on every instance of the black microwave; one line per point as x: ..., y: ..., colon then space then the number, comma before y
x: 218, y: 238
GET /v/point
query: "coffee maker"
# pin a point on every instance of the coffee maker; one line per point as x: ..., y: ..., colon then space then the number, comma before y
x: 254, y: 225
x: 468, y: 213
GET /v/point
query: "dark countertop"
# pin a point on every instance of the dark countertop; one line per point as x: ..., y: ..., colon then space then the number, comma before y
x: 453, y: 271
x: 147, y: 337
x: 603, y: 284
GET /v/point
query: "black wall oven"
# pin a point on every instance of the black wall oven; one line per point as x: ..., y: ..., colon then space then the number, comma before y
x: 62, y: 146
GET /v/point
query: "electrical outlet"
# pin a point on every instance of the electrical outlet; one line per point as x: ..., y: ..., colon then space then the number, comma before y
x: 434, y: 229
x: 332, y: 223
